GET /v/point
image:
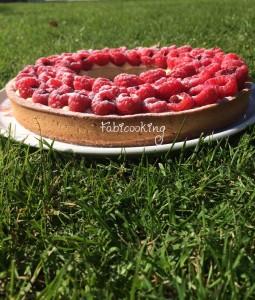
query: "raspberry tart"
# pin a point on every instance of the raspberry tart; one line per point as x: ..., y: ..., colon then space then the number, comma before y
x: 130, y: 97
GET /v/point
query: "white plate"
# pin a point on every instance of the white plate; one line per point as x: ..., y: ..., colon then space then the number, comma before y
x: 9, y: 126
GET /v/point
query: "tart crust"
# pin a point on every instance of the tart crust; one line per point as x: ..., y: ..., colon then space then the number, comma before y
x: 91, y: 129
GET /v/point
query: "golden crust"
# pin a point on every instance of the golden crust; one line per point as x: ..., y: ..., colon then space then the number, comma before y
x: 90, y: 129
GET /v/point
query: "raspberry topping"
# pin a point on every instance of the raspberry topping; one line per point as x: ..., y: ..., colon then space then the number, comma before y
x: 41, y: 96
x: 152, y: 75
x: 176, y: 79
x: 127, y: 80
x: 78, y: 102
x: 127, y: 105
x: 155, y: 105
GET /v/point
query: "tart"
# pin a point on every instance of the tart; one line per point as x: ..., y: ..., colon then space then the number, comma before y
x: 130, y: 97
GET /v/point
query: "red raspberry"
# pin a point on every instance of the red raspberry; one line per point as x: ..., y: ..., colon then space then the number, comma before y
x: 147, y: 56
x: 147, y: 60
x: 226, y: 85
x: 212, y: 69
x: 143, y: 91
x: 54, y: 83
x: 83, y: 83
x: 58, y: 100
x: 78, y: 102
x: 155, y: 105
x: 160, y: 61
x: 44, y: 76
x: 41, y: 96
x: 242, y: 75
x: 99, y: 82
x: 133, y: 57
x: 69, y: 62
x: 26, y: 92
x: 206, y: 61
x: 167, y: 87
x: 151, y: 76
x: 183, y: 71
x: 127, y: 80
x: 172, y: 62
x: 117, y: 57
x: 28, y: 71
x: 107, y: 93
x: 196, y: 52
x: 173, y: 52
x: 99, y: 58
x: 231, y: 56
x: 27, y: 82
x: 86, y: 64
x: 231, y: 63
x: 207, y: 96
x: 104, y: 107
x: 67, y: 78
x: 44, y: 61
x: 64, y: 89
x: 196, y: 89
x: 180, y: 102
x: 127, y: 105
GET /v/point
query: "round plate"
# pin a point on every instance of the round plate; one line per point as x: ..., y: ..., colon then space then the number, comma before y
x: 9, y: 126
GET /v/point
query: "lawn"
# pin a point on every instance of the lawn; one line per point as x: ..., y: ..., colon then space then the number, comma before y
x: 174, y: 226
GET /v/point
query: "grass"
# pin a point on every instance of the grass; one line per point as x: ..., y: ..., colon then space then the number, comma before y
x: 174, y: 226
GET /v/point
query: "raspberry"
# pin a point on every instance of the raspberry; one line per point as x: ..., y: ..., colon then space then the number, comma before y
x: 41, y: 96
x: 127, y: 105
x: 173, y: 53
x: 99, y: 82
x: 27, y: 82
x: 117, y: 57
x: 69, y: 62
x: 172, y: 62
x: 168, y: 87
x: 107, y: 93
x: 212, y: 68
x: 231, y: 63
x: 183, y: 71
x: 160, y: 61
x: 29, y: 71
x: 207, y: 96
x: 44, y: 76
x: 26, y: 92
x: 67, y: 78
x: 127, y: 80
x: 151, y: 76
x: 133, y: 57
x: 104, y: 107
x: 147, y: 56
x: 180, y: 102
x: 58, y: 100
x: 64, y: 89
x: 147, y: 60
x: 226, y: 85
x: 54, y: 83
x: 83, y: 83
x: 196, y: 89
x: 143, y: 91
x: 44, y: 61
x: 242, y: 75
x: 78, y: 102
x: 99, y: 58
x: 231, y: 56
x: 155, y: 105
